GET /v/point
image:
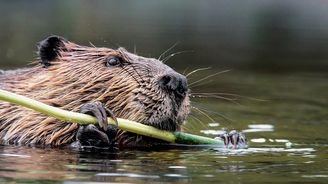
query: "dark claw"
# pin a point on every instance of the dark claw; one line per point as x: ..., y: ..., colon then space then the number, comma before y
x: 234, y: 139
x: 225, y: 138
x: 111, y: 115
x: 98, y: 110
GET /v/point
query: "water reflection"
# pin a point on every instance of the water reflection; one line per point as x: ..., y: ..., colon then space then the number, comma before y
x: 29, y: 163
x: 259, y: 128
x: 200, y: 164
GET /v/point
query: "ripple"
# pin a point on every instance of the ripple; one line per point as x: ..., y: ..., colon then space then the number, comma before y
x: 315, y: 176
x: 130, y: 175
x: 281, y: 150
x: 213, y: 132
x: 214, y: 124
x: 258, y: 140
x: 282, y: 140
x: 175, y: 175
x: 177, y: 167
x: 14, y: 155
x: 259, y: 128
x: 302, y: 151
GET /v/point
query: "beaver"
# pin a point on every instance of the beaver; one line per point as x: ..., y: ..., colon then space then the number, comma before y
x: 97, y: 81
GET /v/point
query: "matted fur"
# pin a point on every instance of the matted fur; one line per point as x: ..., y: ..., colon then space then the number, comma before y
x: 79, y: 75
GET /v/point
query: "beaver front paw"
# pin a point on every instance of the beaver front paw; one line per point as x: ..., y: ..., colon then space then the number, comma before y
x: 234, y: 139
x: 101, y: 112
x: 101, y: 135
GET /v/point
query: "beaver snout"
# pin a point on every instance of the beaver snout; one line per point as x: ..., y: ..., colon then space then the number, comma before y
x: 174, y: 83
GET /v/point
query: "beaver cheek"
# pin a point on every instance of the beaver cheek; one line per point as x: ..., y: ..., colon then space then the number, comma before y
x: 137, y: 112
x: 184, y: 111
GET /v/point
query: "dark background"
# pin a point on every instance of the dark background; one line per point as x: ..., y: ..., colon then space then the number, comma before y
x: 261, y: 35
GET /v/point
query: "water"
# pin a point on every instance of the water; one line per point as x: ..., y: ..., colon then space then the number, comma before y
x: 286, y: 126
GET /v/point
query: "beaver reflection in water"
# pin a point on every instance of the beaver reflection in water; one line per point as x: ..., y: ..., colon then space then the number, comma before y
x: 97, y: 81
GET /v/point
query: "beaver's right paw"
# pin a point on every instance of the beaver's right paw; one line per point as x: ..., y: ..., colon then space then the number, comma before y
x: 90, y: 135
x: 234, y: 139
x: 101, y: 135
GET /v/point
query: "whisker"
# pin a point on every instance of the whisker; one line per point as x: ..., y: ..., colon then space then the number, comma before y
x: 197, y: 120
x: 197, y: 70
x: 92, y: 44
x: 174, y: 54
x: 185, y: 127
x: 209, y: 76
x: 126, y: 70
x: 202, y: 112
x: 184, y: 71
x: 217, y: 97
x: 133, y: 67
x: 212, y: 96
x: 174, y: 45
x: 231, y: 94
x: 201, y: 84
x: 199, y: 106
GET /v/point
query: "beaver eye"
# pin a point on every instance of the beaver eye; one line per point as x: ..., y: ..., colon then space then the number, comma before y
x: 113, y: 61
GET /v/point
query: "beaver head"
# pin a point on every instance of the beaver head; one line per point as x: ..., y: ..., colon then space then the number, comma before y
x: 133, y: 87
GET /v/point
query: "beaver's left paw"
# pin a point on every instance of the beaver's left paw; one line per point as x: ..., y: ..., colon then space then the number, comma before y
x: 234, y: 139
x: 101, y: 112
x: 101, y: 135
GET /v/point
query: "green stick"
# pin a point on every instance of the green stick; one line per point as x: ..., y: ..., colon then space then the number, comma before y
x: 127, y: 125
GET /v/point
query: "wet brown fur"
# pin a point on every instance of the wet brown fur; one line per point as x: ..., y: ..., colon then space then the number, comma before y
x: 77, y: 76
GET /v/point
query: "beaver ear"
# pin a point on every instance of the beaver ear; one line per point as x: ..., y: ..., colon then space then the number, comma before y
x: 48, y: 49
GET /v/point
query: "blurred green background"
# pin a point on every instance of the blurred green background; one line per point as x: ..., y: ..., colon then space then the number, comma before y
x: 262, y: 35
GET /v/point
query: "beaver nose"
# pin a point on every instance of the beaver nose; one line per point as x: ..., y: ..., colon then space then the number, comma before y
x: 175, y: 83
